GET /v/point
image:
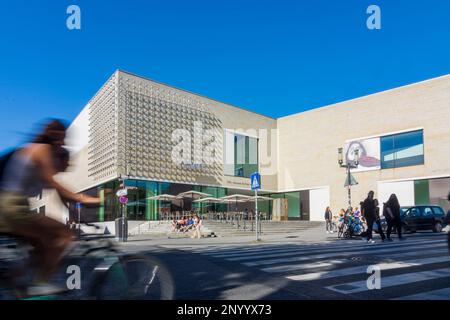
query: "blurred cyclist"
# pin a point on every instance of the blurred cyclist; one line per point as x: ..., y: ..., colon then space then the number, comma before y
x: 26, y: 173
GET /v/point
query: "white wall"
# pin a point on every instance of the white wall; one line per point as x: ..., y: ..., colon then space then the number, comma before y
x: 404, y: 190
x: 78, y: 132
x: 319, y: 200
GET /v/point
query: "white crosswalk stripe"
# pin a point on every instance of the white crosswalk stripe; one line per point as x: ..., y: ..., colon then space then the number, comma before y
x: 441, y: 294
x: 341, y: 267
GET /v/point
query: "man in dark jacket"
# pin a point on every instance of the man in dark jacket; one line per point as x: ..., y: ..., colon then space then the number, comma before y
x: 370, y: 212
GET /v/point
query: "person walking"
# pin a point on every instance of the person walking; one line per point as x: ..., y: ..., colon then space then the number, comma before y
x: 328, y: 216
x: 369, y: 210
x: 197, y: 226
x: 391, y: 211
x: 378, y: 221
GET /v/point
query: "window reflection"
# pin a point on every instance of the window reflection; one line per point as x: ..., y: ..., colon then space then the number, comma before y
x: 401, y: 150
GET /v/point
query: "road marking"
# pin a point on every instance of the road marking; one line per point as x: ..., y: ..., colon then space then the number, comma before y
x: 401, y: 279
x: 384, y: 266
x: 243, y: 255
x: 349, y: 252
x: 301, y: 266
x: 441, y: 294
x: 365, y: 248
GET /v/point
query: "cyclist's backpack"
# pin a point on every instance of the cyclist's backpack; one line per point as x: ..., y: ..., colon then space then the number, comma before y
x: 4, y: 159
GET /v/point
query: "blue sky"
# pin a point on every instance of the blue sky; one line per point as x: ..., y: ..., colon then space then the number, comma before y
x: 273, y: 57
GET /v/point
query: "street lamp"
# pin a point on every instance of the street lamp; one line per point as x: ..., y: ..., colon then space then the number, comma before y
x: 348, y: 165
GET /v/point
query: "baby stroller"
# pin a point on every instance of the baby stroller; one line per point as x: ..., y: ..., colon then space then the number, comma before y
x: 350, y: 227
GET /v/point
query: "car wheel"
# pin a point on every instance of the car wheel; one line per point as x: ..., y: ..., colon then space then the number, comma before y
x: 437, y: 227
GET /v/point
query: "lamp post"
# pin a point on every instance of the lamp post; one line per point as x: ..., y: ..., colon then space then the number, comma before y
x: 348, y: 165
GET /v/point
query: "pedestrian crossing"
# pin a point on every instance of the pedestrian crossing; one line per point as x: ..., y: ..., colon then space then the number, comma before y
x: 415, y: 269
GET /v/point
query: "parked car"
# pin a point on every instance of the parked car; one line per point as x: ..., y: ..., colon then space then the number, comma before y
x: 403, y: 211
x: 424, y: 217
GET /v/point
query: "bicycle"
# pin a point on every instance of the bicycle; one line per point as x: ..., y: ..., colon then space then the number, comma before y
x: 109, y: 272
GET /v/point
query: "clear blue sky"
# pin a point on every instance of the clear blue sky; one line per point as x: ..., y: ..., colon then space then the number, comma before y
x: 273, y: 57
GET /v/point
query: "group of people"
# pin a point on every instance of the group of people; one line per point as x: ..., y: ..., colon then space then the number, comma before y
x: 186, y: 224
x: 370, y: 215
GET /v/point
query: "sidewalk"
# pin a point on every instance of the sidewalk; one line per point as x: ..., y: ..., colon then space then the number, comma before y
x: 312, y: 235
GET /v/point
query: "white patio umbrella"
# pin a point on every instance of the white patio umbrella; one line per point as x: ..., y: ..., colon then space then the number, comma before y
x: 235, y: 198
x: 208, y: 200
x: 259, y: 198
x: 194, y: 195
x: 165, y: 197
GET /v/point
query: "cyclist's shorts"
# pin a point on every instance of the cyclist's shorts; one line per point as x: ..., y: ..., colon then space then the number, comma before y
x: 15, y: 212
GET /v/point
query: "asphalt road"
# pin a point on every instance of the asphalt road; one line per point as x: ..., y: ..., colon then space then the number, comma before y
x: 417, y: 268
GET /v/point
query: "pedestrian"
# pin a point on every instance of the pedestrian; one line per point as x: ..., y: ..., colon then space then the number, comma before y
x: 391, y: 211
x: 197, y: 226
x: 378, y: 221
x: 328, y: 216
x: 246, y: 214
x: 369, y: 210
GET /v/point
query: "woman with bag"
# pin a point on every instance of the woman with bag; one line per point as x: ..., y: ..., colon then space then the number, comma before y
x: 391, y: 212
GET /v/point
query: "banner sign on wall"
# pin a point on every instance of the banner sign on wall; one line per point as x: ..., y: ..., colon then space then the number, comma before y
x: 369, y: 153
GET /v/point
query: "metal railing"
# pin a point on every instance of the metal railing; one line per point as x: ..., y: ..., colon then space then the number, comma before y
x: 239, y: 220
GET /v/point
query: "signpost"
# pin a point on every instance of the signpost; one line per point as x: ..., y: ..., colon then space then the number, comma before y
x: 78, y: 207
x: 122, y: 194
x: 255, y: 184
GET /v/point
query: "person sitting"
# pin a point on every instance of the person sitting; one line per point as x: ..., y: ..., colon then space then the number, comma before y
x: 181, y: 224
x: 189, y: 224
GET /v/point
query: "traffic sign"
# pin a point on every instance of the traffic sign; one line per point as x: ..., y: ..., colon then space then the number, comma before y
x: 122, y: 192
x: 352, y: 181
x: 123, y: 199
x: 255, y: 181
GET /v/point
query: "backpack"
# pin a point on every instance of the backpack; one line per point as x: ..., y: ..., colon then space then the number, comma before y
x: 4, y: 159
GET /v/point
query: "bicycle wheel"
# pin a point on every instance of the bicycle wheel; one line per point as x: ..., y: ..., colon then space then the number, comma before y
x: 134, y: 278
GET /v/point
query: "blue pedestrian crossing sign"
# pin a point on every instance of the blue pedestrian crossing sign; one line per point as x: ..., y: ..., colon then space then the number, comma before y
x: 255, y: 181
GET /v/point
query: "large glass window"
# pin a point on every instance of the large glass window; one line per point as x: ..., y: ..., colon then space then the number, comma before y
x: 401, y: 150
x: 245, y: 156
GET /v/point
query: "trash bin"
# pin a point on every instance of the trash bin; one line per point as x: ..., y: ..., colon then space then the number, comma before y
x: 121, y: 229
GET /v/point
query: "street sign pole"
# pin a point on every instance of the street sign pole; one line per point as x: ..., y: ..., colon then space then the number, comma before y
x: 123, y: 222
x: 255, y: 184
x: 256, y: 215
x: 79, y: 221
